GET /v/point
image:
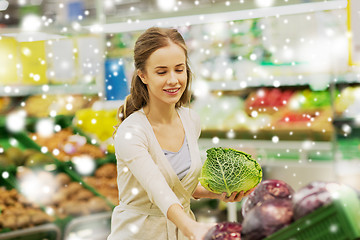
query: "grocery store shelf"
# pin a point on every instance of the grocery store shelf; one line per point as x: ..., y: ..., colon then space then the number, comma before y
x: 47, y: 231
x: 268, y: 144
x: 299, y: 174
x: 272, y: 81
x: 281, y: 81
x: 92, y: 227
x: 49, y: 89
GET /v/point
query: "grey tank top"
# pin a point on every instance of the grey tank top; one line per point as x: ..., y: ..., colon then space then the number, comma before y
x: 181, y: 160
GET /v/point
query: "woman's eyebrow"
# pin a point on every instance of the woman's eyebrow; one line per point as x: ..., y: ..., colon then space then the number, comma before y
x: 178, y: 65
x: 160, y: 67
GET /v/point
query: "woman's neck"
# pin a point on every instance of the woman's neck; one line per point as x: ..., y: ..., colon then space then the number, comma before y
x: 160, y: 114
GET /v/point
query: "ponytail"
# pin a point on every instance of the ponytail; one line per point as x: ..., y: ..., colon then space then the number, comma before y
x: 137, y: 99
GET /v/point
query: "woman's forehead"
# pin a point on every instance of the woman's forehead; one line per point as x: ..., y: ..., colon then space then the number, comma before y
x: 170, y: 55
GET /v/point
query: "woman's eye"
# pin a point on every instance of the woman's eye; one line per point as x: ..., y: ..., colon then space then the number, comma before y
x: 180, y: 70
x: 161, y: 73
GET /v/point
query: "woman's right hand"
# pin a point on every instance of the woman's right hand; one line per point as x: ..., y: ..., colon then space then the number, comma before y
x: 199, y: 230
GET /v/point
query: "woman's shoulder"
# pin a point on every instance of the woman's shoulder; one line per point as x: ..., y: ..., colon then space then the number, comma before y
x: 133, y: 123
x: 189, y: 113
x: 134, y: 118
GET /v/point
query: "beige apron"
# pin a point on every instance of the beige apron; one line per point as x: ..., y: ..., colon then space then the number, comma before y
x: 183, y: 189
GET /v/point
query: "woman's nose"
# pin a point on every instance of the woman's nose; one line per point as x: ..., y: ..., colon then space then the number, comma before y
x: 172, y: 78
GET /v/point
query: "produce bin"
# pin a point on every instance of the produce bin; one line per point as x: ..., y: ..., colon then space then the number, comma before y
x: 38, y: 226
x: 104, y: 180
x: 93, y: 227
x: 338, y: 221
x: 47, y: 231
x: 65, y: 122
x: 21, y: 141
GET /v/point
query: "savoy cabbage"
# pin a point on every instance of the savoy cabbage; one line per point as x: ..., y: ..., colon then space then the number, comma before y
x: 229, y: 170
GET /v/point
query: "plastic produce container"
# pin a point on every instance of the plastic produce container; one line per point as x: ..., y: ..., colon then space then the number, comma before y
x: 93, y: 227
x: 338, y: 221
x: 47, y: 231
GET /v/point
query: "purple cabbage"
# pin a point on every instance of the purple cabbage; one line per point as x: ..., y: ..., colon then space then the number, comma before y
x: 313, y: 196
x: 225, y: 231
x: 265, y: 219
x: 267, y: 190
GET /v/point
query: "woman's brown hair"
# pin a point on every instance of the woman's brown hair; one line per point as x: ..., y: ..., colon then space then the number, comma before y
x: 147, y: 43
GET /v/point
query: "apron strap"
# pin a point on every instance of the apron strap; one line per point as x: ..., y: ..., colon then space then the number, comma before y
x: 140, y: 210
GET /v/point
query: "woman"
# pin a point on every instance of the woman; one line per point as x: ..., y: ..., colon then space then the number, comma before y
x: 158, y: 159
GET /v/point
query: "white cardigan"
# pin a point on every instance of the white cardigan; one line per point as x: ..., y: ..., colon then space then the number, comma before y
x: 147, y: 183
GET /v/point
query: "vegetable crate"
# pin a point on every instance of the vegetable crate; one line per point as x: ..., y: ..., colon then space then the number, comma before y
x: 47, y: 231
x: 338, y: 221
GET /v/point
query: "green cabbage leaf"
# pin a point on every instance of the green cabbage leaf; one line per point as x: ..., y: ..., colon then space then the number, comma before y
x: 229, y: 170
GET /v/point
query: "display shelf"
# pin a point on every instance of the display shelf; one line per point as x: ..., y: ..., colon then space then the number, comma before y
x: 93, y: 227
x: 271, y: 152
x: 282, y: 81
x: 299, y: 173
x: 47, y: 231
x: 338, y: 121
x: 268, y: 144
x: 251, y: 82
x: 266, y: 135
x: 49, y: 89
x: 348, y: 78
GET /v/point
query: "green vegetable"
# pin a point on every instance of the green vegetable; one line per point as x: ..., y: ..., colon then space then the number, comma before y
x: 229, y: 170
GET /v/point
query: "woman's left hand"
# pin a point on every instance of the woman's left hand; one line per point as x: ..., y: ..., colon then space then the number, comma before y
x: 235, y: 196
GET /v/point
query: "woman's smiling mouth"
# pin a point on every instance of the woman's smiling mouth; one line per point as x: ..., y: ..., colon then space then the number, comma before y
x: 172, y: 90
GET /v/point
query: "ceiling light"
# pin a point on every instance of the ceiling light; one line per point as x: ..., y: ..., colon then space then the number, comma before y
x: 166, y: 5
x: 264, y: 3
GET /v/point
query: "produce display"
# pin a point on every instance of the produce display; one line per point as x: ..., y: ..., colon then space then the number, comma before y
x: 267, y: 218
x: 269, y: 111
x: 44, y: 190
x: 67, y: 145
x: 17, y: 212
x: 105, y: 182
x: 15, y: 156
x: 222, y: 113
x: 59, y: 193
x: 348, y: 101
x: 313, y: 196
x: 267, y: 209
x: 274, y: 211
x: 98, y: 124
x: 267, y: 100
x: 313, y: 99
x: 40, y: 106
x: 267, y: 190
x: 225, y: 231
x: 229, y: 170
x: 5, y: 103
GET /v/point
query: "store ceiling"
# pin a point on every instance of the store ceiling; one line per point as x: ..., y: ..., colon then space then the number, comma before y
x: 122, y: 10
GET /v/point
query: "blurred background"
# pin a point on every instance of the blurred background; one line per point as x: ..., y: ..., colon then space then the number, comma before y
x: 278, y: 79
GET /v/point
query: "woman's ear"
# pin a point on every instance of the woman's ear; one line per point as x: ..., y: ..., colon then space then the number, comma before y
x: 141, y: 76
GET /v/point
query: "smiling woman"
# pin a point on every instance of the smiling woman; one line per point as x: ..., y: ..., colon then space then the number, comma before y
x: 158, y: 159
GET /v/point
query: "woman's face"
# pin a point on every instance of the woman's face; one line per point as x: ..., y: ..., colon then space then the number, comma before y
x: 165, y: 74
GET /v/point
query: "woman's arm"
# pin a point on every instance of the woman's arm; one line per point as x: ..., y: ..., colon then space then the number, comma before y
x: 188, y: 226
